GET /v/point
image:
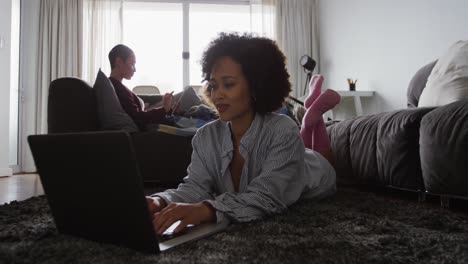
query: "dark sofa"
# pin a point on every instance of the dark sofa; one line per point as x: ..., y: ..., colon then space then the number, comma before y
x: 422, y: 149
x: 162, y: 157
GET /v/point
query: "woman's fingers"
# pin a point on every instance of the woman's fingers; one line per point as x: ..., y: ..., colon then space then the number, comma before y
x: 157, y: 223
x: 186, y: 213
x: 165, y: 218
x: 165, y: 221
x: 183, y: 224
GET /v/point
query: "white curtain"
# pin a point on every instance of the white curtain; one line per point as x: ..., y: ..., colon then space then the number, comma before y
x: 263, y: 17
x: 60, y: 32
x: 297, y: 35
x: 102, y: 30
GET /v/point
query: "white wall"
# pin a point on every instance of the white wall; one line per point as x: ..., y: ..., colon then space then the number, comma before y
x: 5, y: 60
x: 383, y: 43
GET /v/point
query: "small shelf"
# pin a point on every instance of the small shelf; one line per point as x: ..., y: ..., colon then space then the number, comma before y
x: 356, y: 93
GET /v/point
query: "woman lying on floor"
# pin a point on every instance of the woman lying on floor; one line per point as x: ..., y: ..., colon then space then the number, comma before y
x: 251, y: 163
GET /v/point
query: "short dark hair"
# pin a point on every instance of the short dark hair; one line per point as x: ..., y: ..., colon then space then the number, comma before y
x: 262, y: 63
x: 119, y: 51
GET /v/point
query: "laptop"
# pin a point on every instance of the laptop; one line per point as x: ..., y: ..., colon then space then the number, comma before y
x: 95, y: 191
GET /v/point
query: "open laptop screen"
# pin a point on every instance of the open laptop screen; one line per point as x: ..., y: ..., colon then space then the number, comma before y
x: 94, y: 188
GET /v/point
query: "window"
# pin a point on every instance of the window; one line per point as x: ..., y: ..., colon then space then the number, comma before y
x: 160, y: 32
x: 154, y: 32
x: 206, y: 21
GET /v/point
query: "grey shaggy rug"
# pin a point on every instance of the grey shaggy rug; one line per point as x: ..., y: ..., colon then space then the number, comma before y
x: 351, y: 227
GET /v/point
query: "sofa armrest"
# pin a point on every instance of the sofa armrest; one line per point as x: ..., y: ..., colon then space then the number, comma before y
x: 444, y: 148
x: 71, y: 106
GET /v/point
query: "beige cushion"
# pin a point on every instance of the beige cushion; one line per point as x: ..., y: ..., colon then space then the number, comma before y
x: 448, y: 81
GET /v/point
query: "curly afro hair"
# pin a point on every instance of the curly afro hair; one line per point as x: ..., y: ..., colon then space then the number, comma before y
x: 262, y: 63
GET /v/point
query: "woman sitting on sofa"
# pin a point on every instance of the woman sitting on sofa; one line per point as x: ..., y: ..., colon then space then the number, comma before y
x: 122, y: 60
x: 250, y: 163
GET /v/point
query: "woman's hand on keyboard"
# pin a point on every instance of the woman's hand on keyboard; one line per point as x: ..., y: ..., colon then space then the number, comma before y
x: 187, y: 214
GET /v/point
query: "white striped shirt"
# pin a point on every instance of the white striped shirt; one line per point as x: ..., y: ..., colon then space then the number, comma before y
x: 277, y: 171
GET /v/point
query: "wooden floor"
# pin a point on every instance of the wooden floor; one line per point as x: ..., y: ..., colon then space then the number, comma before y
x: 19, y: 187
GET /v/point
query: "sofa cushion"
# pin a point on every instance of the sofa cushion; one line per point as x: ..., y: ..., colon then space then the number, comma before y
x: 362, y: 146
x: 110, y: 113
x: 448, y: 81
x: 398, y: 158
x: 418, y: 83
x: 444, y: 148
x: 339, y: 134
x: 353, y: 144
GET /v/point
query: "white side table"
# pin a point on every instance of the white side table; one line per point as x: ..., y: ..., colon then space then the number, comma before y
x: 356, y: 95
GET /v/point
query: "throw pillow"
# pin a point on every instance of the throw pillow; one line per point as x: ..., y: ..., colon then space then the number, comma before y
x: 448, y: 81
x: 110, y: 112
x: 418, y: 83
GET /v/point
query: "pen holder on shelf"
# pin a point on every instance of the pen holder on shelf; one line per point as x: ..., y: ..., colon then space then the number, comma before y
x: 352, y: 84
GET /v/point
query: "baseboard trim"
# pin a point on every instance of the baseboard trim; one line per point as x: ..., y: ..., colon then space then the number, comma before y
x: 5, y: 172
